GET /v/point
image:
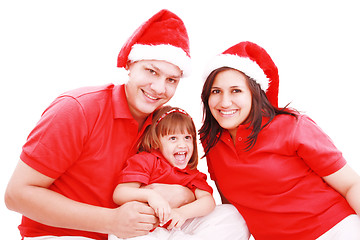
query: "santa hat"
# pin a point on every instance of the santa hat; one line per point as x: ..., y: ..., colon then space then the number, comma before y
x: 162, y: 37
x: 254, y: 62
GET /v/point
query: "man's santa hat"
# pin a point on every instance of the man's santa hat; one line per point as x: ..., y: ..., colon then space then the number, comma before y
x: 162, y: 37
x: 253, y: 61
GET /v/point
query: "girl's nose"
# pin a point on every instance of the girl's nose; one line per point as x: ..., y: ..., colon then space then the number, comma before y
x: 181, y: 143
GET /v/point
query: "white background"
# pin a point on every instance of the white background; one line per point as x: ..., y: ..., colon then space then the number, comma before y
x: 48, y: 47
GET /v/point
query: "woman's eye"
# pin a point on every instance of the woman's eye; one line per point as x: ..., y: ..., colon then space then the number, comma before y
x: 215, y: 91
x: 237, y: 91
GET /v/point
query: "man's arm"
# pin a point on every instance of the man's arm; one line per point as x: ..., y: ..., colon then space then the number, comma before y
x: 28, y: 194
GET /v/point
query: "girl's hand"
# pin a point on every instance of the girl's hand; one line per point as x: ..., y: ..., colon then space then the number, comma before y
x: 161, y: 207
x: 177, y: 219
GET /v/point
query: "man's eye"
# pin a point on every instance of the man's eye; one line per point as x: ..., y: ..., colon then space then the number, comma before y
x: 151, y: 71
x: 171, y: 80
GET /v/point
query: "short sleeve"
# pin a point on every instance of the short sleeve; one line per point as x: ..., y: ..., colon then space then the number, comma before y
x: 200, y: 182
x: 138, y: 168
x: 316, y: 148
x: 58, y: 138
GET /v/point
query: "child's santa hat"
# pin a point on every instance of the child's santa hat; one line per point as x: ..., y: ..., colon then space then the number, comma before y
x: 162, y: 37
x: 254, y: 62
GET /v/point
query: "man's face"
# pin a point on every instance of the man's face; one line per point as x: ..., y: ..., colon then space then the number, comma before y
x: 151, y: 84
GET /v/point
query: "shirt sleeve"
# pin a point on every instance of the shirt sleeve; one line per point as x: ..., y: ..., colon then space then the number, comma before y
x: 200, y: 182
x: 58, y: 138
x: 138, y: 168
x: 316, y: 148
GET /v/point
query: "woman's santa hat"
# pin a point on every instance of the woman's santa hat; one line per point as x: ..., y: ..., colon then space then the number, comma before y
x: 162, y: 37
x: 254, y: 62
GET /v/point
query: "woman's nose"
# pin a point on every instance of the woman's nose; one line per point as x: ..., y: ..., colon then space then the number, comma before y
x: 226, y: 101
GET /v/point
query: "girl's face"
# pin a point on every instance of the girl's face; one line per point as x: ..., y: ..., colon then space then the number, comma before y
x: 230, y: 100
x: 177, y: 149
x: 151, y: 84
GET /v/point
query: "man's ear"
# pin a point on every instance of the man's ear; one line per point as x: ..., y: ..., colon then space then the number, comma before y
x: 128, y: 63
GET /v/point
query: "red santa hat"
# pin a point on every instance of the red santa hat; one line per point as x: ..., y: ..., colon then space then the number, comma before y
x: 162, y: 37
x: 254, y: 62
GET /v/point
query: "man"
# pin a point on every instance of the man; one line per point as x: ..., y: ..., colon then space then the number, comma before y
x: 64, y: 181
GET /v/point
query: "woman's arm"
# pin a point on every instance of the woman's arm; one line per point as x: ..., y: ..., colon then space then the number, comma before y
x: 127, y: 192
x: 347, y: 182
x: 223, y: 198
x: 28, y: 194
x: 202, y: 206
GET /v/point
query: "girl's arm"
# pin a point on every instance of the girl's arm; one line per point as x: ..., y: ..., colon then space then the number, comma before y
x: 175, y: 195
x: 347, y: 182
x: 202, y: 206
x: 127, y: 192
x: 27, y: 193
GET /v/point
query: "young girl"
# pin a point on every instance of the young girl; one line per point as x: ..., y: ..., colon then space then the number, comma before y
x: 277, y: 167
x: 167, y: 154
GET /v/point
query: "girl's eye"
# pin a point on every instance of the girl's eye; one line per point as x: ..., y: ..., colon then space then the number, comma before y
x: 172, y: 138
x: 188, y: 137
x: 215, y: 91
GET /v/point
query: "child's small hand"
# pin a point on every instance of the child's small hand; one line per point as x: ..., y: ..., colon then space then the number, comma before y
x: 161, y: 208
x: 177, y: 219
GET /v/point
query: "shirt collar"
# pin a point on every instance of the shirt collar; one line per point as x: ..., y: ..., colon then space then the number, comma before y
x: 121, y: 107
x: 119, y: 103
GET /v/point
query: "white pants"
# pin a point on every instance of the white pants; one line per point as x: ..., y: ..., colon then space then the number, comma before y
x: 348, y: 228
x: 224, y: 222
x: 57, y: 238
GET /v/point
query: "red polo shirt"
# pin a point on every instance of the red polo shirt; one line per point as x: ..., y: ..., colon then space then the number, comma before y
x: 82, y: 141
x: 277, y: 186
x: 148, y: 168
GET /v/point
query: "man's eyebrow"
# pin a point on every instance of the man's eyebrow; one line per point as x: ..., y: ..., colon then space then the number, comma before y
x: 159, y: 70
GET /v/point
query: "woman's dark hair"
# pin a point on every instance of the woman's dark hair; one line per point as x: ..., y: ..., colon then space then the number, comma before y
x: 211, y: 131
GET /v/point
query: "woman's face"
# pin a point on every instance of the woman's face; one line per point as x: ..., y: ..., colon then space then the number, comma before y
x: 230, y: 99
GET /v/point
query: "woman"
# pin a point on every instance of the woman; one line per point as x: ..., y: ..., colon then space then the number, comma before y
x: 277, y: 167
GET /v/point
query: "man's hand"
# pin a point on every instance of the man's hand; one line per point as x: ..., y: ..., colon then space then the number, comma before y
x: 133, y: 219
